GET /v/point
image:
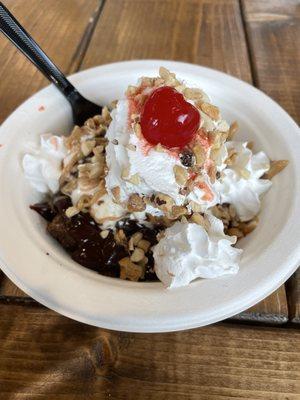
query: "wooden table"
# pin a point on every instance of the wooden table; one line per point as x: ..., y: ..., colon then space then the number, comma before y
x: 46, y: 356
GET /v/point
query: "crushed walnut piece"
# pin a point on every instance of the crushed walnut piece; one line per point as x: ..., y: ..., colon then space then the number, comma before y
x: 131, y: 271
x: 135, y: 203
x: 181, y: 175
x: 275, y: 168
x: 212, y: 111
x: 233, y: 130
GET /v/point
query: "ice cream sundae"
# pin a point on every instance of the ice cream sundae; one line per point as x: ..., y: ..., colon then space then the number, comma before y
x: 155, y: 188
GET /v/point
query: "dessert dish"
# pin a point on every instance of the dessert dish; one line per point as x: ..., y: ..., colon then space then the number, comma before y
x: 154, y: 188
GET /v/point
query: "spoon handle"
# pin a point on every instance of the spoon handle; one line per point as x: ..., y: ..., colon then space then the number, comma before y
x: 17, y: 35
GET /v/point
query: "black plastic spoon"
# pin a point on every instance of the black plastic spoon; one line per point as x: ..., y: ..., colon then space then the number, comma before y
x: 82, y: 108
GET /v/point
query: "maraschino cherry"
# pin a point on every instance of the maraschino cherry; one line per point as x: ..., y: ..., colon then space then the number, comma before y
x: 167, y: 118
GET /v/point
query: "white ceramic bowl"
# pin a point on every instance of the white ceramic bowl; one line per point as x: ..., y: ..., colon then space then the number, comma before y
x: 40, y: 267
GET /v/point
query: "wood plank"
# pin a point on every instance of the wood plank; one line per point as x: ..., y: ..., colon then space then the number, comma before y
x: 273, y: 309
x: 200, y: 35
x: 273, y: 29
x: 293, y: 292
x: 10, y: 292
x: 208, y: 33
x: 58, y: 31
x: 62, y: 39
x: 46, y: 356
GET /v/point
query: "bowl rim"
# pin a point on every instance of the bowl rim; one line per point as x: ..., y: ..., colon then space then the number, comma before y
x: 235, y: 308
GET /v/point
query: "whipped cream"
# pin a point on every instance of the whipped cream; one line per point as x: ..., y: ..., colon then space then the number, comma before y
x: 107, y: 211
x: 240, y: 183
x: 153, y: 169
x: 188, y: 251
x: 43, y: 166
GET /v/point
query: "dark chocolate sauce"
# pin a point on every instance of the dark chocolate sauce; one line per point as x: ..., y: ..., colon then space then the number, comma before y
x: 80, y: 237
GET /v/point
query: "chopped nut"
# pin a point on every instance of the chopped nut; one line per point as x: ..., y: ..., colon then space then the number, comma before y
x: 87, y: 147
x: 135, y: 203
x: 130, y: 270
x: 235, y: 232
x: 106, y: 114
x: 71, y: 211
x: 130, y: 244
x: 143, y: 262
x: 135, y: 179
x: 160, y: 235
x: 195, y: 206
x: 217, y: 139
x: 212, y: 111
x: 200, y: 220
x: 245, y: 173
x: 248, y: 227
x: 138, y: 130
x: 163, y: 201
x: 164, y: 73
x: 98, y: 150
x: 193, y: 94
x: 232, y: 211
x: 69, y: 187
x: 83, y: 202
x: 232, y: 156
x: 113, y: 104
x: 104, y: 234
x: 159, y: 148
x: 181, y: 175
x: 144, y: 244
x: 250, y: 145
x: 120, y: 237
x: 116, y: 193
x: 177, y: 211
x: 158, y: 81
x: 131, y: 90
x: 199, y: 154
x: 147, y: 82
x: 131, y: 147
x: 137, y: 255
x: 180, y: 88
x: 275, y: 168
x: 136, y: 237
x: 115, y: 141
x: 233, y: 130
x: 183, y: 220
x: 125, y: 172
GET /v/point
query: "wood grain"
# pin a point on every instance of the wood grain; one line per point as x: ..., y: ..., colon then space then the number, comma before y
x: 203, y: 32
x: 208, y: 32
x: 10, y: 292
x: 58, y: 31
x: 63, y: 32
x: 294, y: 297
x: 273, y: 309
x: 44, y: 355
x: 273, y: 32
x: 273, y: 29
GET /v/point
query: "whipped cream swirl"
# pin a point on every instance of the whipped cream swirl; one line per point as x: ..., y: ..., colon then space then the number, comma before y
x: 148, y: 170
x: 188, y: 251
x: 240, y: 183
x: 43, y: 167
